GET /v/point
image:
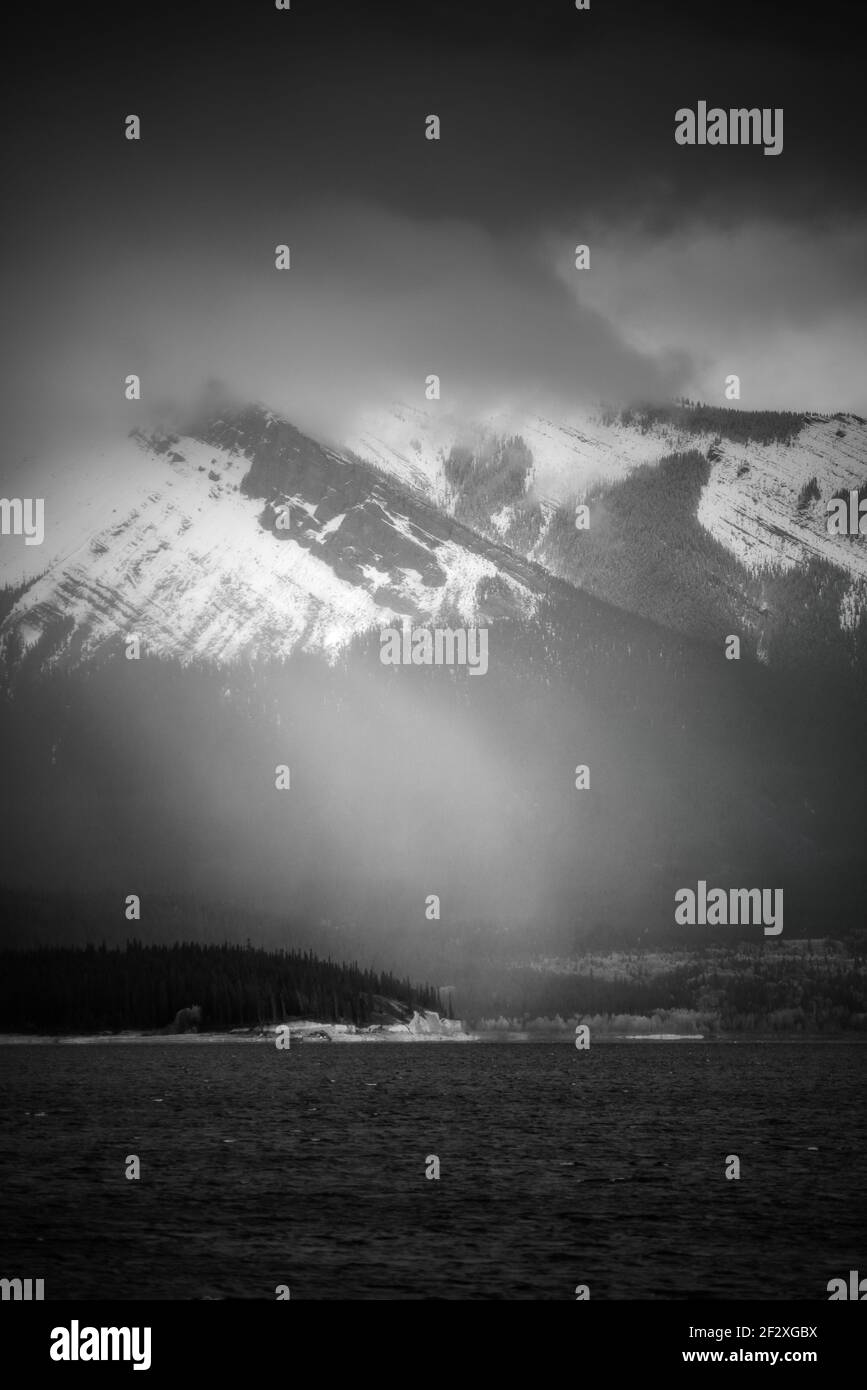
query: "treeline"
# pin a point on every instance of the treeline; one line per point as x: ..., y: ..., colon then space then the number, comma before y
x: 732, y: 992
x: 94, y: 988
x: 695, y: 417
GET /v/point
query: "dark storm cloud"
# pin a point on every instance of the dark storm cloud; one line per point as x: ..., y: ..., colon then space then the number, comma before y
x: 545, y: 110
x: 411, y: 256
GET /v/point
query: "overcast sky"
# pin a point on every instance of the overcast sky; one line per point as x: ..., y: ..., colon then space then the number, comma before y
x: 412, y: 256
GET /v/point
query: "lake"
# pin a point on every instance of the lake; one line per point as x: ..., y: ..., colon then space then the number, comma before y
x: 306, y: 1168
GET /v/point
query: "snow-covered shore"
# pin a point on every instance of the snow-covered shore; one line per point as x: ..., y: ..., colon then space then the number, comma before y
x: 424, y: 1026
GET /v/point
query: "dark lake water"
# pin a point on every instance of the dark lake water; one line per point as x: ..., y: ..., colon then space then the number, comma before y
x: 558, y: 1168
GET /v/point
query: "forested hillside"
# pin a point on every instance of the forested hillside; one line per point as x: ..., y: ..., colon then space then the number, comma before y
x: 804, y: 987
x: 646, y: 551
x: 59, y: 989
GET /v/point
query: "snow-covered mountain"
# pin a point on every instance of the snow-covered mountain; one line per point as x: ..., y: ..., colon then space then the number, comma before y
x: 751, y: 502
x: 246, y: 538
x: 250, y: 539
x: 706, y: 520
x: 243, y: 540
x: 568, y: 456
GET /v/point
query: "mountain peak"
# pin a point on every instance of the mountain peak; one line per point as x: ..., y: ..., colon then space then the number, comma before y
x: 251, y: 539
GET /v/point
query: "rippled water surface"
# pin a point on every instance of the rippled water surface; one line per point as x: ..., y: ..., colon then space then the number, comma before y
x: 307, y: 1168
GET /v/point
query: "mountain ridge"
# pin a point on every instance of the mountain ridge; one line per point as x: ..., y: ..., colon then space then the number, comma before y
x: 246, y: 538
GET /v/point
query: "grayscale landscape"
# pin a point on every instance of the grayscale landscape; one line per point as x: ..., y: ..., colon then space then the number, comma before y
x: 433, y: 613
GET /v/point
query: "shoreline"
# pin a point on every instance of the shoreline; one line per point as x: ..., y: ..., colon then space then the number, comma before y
x: 209, y: 1039
x: 132, y: 1038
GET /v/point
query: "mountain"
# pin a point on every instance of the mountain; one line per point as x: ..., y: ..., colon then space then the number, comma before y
x: 607, y: 651
x: 752, y: 500
x: 707, y: 520
x: 199, y: 558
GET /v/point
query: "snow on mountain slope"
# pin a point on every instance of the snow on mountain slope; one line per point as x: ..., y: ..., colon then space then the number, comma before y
x: 413, y: 444
x: 83, y: 492
x: 750, y: 503
x: 409, y: 444
x: 183, y: 548
x: 569, y: 458
x: 177, y: 539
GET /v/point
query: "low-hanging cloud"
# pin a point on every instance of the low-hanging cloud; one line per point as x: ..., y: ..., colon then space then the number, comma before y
x: 782, y: 305
x: 373, y: 303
